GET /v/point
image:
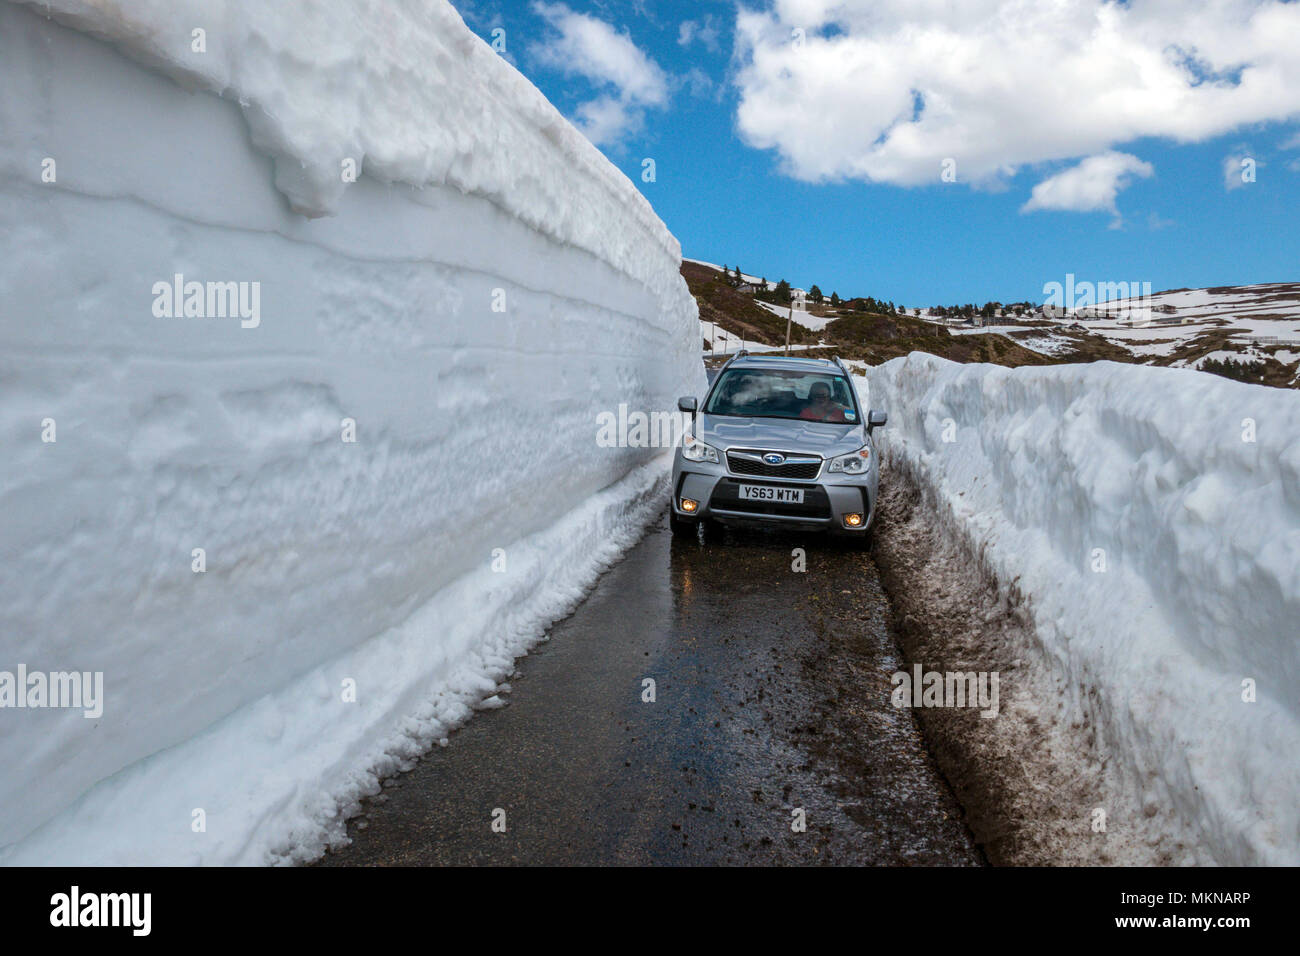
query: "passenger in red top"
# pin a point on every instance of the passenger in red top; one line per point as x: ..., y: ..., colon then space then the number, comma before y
x: 820, y: 408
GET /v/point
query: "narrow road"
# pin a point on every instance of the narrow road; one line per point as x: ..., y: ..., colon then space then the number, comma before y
x: 771, y: 695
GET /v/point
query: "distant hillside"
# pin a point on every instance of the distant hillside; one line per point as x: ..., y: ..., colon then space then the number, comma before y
x: 737, y: 312
x: 874, y: 338
x: 1249, y: 333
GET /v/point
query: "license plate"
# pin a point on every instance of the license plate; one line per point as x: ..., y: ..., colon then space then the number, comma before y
x: 768, y: 493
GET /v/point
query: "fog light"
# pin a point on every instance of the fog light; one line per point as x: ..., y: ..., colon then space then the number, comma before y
x: 689, y: 504
x: 853, y: 520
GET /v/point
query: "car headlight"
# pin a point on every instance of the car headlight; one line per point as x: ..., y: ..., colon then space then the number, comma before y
x: 695, y: 450
x: 855, y: 463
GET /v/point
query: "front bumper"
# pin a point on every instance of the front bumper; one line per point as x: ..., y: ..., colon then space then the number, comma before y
x: 827, y: 500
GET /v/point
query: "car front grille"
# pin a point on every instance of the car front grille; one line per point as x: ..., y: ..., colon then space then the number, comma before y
x: 743, y: 461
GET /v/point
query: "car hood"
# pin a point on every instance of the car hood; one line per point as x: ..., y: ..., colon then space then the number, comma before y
x: 826, y: 439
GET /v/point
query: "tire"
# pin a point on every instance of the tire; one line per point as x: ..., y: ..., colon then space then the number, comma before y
x: 681, y: 528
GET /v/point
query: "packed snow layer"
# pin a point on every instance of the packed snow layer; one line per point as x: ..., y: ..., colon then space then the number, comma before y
x: 469, y: 332
x: 1159, y: 552
x: 403, y: 89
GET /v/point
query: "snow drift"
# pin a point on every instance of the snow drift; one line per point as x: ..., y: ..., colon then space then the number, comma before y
x: 464, y: 310
x: 1151, y: 517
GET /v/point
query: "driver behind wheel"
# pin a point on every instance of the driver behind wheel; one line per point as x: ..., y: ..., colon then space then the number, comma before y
x: 820, y: 408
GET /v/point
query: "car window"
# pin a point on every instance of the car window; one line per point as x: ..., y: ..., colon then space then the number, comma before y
x: 783, y: 393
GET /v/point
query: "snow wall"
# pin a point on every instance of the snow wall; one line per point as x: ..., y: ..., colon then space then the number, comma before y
x: 1151, y: 517
x: 485, y: 288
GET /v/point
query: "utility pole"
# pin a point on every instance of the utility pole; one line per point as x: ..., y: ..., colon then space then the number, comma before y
x: 788, y: 319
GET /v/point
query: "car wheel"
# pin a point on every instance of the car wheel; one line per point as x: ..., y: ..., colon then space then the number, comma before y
x: 712, y: 529
x: 681, y: 528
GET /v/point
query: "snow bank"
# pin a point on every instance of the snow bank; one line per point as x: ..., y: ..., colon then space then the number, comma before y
x: 1160, y: 555
x: 466, y: 309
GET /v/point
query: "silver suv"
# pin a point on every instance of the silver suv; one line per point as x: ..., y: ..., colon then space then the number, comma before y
x: 778, y: 441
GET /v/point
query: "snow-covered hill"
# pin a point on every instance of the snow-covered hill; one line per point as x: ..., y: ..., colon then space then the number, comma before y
x: 1244, y: 314
x: 303, y: 530
x: 1180, y: 328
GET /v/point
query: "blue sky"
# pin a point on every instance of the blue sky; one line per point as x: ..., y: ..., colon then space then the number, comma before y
x: 805, y: 142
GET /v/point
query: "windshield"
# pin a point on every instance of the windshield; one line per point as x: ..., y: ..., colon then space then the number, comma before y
x: 781, y: 393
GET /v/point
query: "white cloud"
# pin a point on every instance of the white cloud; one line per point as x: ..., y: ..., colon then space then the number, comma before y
x: 1090, y: 186
x: 706, y: 31
x: 1292, y: 143
x: 885, y: 90
x: 582, y: 45
x: 605, y: 119
x: 698, y: 82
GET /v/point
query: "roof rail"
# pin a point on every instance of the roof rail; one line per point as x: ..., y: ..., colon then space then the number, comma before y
x: 732, y: 359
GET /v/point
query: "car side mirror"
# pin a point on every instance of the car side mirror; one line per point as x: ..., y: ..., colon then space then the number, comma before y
x: 875, y: 419
x: 687, y: 403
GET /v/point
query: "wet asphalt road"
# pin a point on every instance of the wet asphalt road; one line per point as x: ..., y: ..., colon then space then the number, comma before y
x: 772, y: 694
